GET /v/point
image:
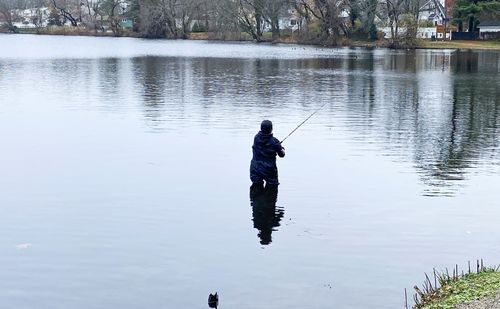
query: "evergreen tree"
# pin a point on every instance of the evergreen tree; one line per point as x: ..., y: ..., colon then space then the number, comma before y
x: 471, y: 12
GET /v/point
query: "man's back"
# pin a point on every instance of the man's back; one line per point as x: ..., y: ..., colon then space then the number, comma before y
x: 265, y: 149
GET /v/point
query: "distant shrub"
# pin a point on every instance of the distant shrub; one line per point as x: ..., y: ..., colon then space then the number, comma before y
x: 197, y: 27
x: 425, y: 23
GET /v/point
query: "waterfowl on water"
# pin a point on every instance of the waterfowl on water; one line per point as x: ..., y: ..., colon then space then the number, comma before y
x: 213, y: 300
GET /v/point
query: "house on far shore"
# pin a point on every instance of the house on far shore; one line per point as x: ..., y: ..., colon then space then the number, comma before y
x: 433, y: 11
x: 127, y: 23
x: 489, y: 29
x: 288, y: 21
x: 30, y: 18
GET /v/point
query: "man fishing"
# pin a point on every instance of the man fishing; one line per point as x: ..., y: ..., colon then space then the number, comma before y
x: 265, y: 148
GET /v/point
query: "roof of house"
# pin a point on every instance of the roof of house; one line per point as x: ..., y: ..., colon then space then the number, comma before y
x: 433, y: 6
x: 490, y: 23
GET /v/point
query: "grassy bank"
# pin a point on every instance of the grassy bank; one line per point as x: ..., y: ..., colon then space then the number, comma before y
x: 70, y: 31
x: 383, y: 43
x: 447, y: 291
x: 491, y: 45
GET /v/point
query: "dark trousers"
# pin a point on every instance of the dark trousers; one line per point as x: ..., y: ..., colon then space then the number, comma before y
x: 261, y: 171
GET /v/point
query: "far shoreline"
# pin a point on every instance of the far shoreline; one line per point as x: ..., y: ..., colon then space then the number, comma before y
x: 493, y: 45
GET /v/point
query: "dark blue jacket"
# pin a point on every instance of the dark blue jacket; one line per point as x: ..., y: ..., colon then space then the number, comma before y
x: 266, y: 147
x: 263, y: 166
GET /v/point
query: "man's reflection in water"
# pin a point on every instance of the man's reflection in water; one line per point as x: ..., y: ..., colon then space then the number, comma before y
x: 266, y: 216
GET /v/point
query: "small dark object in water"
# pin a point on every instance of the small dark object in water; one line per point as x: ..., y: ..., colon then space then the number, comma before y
x: 213, y: 300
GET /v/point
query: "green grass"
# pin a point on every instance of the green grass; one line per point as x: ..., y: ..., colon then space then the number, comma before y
x: 469, y: 287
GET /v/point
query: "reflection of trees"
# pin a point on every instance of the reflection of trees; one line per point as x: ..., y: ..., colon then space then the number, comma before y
x: 452, y: 120
x: 465, y: 62
x: 109, y: 69
x: 166, y: 84
x: 150, y: 74
x: 263, y: 82
x: 361, y: 86
x: 440, y: 107
x: 402, y: 61
x: 469, y: 128
x: 162, y: 82
x: 446, y: 114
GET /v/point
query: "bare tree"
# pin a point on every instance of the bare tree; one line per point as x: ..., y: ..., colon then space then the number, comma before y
x: 158, y: 18
x: 394, y: 10
x: 92, y: 13
x: 272, y: 11
x: 412, y: 10
x: 113, y: 9
x: 54, y: 18
x: 188, y: 10
x: 402, y: 14
x: 250, y: 18
x: 171, y: 18
x: 37, y: 19
x: 254, y: 14
x: 152, y: 18
x: 226, y: 18
x: 69, y: 10
x: 5, y: 10
x: 329, y: 14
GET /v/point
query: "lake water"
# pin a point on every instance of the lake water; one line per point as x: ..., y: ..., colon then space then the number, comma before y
x: 124, y: 172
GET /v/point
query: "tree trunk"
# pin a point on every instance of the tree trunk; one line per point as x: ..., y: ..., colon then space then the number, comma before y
x: 275, y: 28
x: 67, y: 15
x: 258, y: 25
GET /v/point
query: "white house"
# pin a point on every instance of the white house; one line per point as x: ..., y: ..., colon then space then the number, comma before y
x: 489, y: 30
x: 434, y: 11
x: 422, y: 32
x: 28, y: 17
x: 489, y: 26
x: 290, y: 21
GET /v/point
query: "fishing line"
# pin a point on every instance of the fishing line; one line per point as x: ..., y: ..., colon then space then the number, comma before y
x: 303, y: 122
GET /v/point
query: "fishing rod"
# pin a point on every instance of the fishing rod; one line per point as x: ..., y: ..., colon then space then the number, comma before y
x: 303, y: 122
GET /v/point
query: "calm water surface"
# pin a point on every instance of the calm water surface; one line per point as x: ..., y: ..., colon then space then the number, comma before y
x: 125, y: 162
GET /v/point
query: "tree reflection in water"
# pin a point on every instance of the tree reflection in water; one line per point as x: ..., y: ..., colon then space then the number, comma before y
x: 437, y: 110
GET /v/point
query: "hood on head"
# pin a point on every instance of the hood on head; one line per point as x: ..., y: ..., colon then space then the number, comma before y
x: 266, y: 127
